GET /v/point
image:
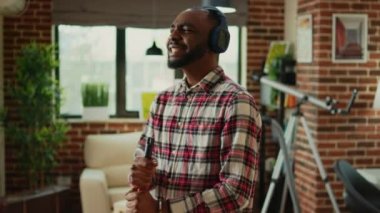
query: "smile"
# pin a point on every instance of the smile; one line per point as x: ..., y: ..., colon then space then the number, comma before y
x: 175, y: 49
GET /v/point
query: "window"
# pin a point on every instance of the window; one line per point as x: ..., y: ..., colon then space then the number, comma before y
x: 117, y: 57
x: 145, y: 73
x: 86, y: 54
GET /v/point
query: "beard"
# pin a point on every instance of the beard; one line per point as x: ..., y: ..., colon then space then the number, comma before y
x: 188, y: 58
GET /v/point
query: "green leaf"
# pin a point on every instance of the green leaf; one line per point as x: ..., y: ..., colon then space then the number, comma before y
x: 37, y: 134
x: 94, y: 94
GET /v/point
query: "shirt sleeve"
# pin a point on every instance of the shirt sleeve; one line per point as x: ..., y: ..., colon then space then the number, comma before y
x: 239, y: 160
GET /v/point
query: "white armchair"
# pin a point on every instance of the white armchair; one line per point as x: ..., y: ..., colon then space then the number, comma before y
x: 104, y: 181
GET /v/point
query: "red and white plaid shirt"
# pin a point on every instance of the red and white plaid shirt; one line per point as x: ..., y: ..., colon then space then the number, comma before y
x: 206, y: 144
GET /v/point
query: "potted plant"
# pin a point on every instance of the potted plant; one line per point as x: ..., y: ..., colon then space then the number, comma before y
x: 36, y: 132
x: 95, y: 101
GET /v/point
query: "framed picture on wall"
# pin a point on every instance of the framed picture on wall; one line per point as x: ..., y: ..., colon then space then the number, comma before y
x: 349, y: 38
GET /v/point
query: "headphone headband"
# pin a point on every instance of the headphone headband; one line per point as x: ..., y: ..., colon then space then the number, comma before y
x: 219, y: 36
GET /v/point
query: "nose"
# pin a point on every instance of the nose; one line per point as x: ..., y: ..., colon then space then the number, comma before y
x: 174, y: 34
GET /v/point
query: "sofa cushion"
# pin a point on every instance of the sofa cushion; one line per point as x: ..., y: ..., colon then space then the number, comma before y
x: 110, y: 149
x: 117, y: 175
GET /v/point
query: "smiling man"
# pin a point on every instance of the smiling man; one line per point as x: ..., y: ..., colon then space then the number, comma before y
x: 206, y: 129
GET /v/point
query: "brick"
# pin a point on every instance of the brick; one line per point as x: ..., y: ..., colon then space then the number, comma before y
x: 355, y: 153
x: 364, y: 161
x: 374, y: 73
x: 31, y: 20
x: 72, y: 132
x: 366, y: 144
x: 108, y: 132
x: 358, y: 72
x: 360, y: 7
x: 367, y: 81
x: 340, y: 5
x: 88, y: 132
x: 116, y: 125
x: 374, y: 121
x: 373, y: 136
x: 346, y: 145
x: 79, y: 125
x: 336, y: 153
x: 97, y: 125
x: 374, y: 152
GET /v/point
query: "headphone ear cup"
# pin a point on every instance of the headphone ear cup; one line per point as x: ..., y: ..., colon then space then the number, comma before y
x: 219, y: 35
x: 219, y: 40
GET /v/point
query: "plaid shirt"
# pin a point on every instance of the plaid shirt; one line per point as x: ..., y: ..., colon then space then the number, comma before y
x: 206, y: 144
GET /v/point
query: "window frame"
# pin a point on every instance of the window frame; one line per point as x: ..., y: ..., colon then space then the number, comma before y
x: 121, y: 71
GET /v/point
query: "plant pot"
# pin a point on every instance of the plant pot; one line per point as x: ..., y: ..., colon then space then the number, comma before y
x: 95, y: 113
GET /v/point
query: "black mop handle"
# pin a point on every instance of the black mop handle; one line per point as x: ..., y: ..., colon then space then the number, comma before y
x: 149, y: 148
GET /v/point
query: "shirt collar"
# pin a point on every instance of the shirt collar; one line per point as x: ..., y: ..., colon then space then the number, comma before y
x: 207, y: 83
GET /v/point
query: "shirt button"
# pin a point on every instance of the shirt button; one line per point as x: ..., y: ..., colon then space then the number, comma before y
x: 179, y: 124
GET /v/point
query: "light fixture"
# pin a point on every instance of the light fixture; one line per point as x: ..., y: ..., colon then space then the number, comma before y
x: 13, y: 7
x: 154, y: 50
x: 222, y: 5
x: 376, y: 100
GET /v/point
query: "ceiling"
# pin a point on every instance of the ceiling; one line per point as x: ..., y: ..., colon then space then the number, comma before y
x: 141, y: 13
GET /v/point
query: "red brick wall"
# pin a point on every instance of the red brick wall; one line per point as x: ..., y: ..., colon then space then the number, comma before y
x: 355, y: 137
x: 265, y: 24
x: 34, y: 24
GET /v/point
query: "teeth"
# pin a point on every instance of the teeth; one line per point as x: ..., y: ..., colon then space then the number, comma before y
x: 174, y: 49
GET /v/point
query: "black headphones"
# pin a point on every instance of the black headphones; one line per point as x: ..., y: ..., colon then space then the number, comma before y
x: 219, y: 36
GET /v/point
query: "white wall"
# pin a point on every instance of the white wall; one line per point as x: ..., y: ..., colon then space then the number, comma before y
x: 290, y: 23
x: 2, y: 146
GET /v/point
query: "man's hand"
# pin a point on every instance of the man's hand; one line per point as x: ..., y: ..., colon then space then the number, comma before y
x: 142, y: 173
x: 131, y: 198
x: 140, y: 202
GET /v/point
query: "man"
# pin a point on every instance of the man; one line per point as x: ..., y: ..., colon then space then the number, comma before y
x: 206, y: 129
